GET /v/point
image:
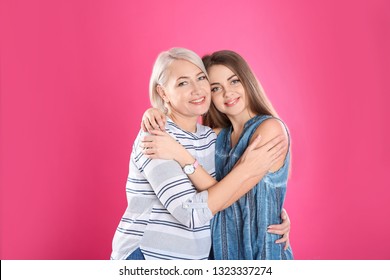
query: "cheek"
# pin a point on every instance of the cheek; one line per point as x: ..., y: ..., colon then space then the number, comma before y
x: 217, y: 100
x: 174, y: 99
x: 207, y: 90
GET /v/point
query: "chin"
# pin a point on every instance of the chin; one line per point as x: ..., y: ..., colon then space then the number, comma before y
x: 201, y: 111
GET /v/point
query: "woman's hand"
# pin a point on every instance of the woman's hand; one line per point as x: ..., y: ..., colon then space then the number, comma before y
x: 162, y: 146
x: 153, y: 119
x: 282, y: 229
x: 259, y: 160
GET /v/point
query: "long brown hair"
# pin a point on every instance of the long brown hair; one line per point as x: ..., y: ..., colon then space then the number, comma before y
x: 258, y: 101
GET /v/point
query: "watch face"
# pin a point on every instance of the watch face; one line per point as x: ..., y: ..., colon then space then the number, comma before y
x: 189, y: 169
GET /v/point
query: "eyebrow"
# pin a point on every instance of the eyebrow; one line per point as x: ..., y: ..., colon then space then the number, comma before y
x: 232, y: 76
x: 186, y: 77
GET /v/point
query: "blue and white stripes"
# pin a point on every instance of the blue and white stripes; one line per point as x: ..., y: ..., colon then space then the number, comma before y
x: 166, y: 217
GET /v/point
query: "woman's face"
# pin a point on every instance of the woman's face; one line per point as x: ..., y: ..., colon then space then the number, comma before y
x: 227, y: 92
x: 187, y: 90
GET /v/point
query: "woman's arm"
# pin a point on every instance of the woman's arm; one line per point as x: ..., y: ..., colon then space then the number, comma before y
x: 268, y: 130
x: 166, y: 147
x: 160, y: 145
x: 171, y: 187
x: 153, y: 119
x: 172, y: 147
x: 253, y: 165
x: 178, y: 196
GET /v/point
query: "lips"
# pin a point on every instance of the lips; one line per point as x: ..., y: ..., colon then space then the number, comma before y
x: 198, y: 101
x: 232, y: 102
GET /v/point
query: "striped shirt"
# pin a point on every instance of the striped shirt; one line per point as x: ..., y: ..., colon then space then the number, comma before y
x: 166, y: 217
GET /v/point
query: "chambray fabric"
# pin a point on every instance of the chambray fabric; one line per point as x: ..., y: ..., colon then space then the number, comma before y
x: 240, y: 231
x: 136, y: 255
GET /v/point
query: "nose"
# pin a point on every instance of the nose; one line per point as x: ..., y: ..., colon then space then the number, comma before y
x: 227, y: 93
x: 196, y: 88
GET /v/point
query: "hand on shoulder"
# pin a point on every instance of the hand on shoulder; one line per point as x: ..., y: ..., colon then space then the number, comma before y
x: 268, y: 130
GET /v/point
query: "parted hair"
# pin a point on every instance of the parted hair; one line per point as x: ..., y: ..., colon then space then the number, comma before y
x: 257, y: 99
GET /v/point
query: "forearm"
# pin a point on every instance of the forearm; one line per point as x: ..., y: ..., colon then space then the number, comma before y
x: 252, y: 182
x: 230, y: 188
x: 175, y: 192
x: 201, y: 179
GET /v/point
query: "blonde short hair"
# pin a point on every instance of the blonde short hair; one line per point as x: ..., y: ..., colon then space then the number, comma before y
x: 160, y: 74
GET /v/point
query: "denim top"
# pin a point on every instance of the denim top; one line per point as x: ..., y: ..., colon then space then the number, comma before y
x: 240, y: 231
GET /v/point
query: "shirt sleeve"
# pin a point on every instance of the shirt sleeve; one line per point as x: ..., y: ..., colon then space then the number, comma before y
x: 174, y: 189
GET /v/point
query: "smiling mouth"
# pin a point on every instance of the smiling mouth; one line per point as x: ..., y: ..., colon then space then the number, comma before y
x: 232, y: 102
x: 198, y: 101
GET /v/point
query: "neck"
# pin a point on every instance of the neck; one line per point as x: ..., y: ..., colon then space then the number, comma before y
x: 184, y: 122
x: 239, y: 121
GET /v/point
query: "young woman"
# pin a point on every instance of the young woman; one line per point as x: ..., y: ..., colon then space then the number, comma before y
x: 242, y: 112
x: 166, y: 217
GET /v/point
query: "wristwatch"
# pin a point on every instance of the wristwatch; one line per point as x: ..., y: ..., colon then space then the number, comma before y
x: 190, y: 168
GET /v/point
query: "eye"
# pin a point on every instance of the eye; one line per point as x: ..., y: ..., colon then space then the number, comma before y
x: 235, y: 81
x: 182, y: 84
x: 201, y: 78
x: 215, y: 89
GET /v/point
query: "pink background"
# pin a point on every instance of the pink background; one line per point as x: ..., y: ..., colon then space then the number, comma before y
x: 74, y: 84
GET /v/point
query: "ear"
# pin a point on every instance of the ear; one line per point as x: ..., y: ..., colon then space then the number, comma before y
x: 161, y: 92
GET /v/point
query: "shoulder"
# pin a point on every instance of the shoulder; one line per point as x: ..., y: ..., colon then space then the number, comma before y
x: 269, y: 129
x: 174, y: 130
x: 205, y: 132
x: 171, y: 125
